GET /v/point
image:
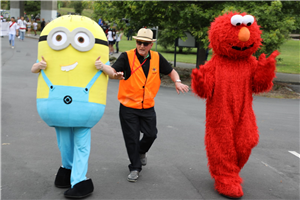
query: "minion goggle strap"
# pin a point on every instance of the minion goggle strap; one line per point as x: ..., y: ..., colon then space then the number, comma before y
x: 80, y: 38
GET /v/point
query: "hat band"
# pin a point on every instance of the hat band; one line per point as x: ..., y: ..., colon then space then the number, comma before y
x: 144, y: 37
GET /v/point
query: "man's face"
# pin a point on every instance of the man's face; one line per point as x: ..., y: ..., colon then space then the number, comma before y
x: 22, y: 18
x: 143, y: 47
x: 12, y: 19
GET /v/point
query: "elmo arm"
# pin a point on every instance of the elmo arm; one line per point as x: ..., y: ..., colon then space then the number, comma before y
x: 264, y: 73
x: 203, y: 80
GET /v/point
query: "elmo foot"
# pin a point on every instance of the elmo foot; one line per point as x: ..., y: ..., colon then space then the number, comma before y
x: 233, y: 190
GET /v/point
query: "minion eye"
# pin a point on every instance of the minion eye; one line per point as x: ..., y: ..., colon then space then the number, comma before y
x: 81, y: 39
x: 59, y: 38
x: 236, y: 20
x: 248, y: 20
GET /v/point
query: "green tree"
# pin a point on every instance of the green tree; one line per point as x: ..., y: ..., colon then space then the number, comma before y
x: 174, y: 18
x: 291, y: 9
x: 276, y: 23
x: 5, y: 5
x: 79, y: 6
x: 32, y: 7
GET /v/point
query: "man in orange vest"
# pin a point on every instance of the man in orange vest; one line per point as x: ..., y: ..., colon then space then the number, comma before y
x: 139, y: 73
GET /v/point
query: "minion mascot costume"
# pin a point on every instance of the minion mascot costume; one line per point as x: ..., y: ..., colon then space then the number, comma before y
x: 71, y: 94
x: 227, y: 82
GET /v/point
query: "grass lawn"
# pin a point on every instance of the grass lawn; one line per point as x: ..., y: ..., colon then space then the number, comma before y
x: 289, y: 55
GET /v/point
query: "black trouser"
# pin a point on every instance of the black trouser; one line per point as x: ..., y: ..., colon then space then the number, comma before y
x: 117, y: 46
x: 134, y: 121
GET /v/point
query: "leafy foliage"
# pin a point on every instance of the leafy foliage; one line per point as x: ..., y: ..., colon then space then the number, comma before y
x: 277, y: 19
x: 5, y: 5
x: 79, y: 6
x: 32, y: 7
x: 275, y: 23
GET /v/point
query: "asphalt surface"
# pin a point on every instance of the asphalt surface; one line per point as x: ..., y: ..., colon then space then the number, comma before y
x: 177, y: 163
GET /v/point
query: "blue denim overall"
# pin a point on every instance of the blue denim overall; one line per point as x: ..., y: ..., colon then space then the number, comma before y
x: 67, y: 109
x: 69, y: 106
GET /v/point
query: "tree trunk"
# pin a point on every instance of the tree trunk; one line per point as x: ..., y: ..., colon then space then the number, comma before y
x: 201, y: 56
x: 180, y: 50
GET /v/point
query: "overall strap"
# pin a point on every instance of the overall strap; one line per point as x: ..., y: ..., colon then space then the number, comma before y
x: 91, y: 83
x: 48, y: 82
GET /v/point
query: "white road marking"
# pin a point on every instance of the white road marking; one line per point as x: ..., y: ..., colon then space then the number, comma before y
x: 295, y: 153
x: 272, y: 168
x: 69, y: 67
x: 172, y: 127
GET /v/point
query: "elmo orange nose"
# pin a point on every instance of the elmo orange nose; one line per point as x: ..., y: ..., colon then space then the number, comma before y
x: 244, y: 34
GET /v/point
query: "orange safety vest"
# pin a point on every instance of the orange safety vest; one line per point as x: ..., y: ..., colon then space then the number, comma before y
x: 138, y: 91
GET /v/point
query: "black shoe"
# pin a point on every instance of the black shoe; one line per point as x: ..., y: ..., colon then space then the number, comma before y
x: 80, y: 190
x: 63, y: 178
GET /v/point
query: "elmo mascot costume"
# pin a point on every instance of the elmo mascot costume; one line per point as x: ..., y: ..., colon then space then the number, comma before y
x: 227, y: 82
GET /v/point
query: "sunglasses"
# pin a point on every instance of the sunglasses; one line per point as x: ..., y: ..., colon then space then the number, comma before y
x: 144, y: 43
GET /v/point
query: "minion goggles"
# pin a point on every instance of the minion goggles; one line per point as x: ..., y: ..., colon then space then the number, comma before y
x: 80, y: 38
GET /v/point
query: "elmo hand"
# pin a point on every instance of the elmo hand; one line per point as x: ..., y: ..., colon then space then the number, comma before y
x: 265, y: 73
x: 203, y: 80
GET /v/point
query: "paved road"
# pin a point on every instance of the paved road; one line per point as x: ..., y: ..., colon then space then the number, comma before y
x: 177, y: 164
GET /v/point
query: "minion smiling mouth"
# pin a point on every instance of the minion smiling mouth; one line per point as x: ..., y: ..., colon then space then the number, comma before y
x: 69, y: 67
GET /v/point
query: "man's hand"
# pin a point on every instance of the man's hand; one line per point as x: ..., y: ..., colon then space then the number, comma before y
x: 38, y: 66
x: 119, y: 75
x: 181, y: 87
x: 108, y: 70
x: 43, y: 63
x: 99, y: 64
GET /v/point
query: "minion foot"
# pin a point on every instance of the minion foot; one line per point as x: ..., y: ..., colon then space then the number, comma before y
x: 63, y: 178
x: 80, y: 190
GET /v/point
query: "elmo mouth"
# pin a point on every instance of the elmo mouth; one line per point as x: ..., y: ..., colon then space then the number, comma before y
x: 242, y: 49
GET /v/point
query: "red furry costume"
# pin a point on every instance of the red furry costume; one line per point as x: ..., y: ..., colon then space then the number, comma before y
x: 227, y: 81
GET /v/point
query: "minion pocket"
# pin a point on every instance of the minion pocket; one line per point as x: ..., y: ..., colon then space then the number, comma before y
x: 69, y: 106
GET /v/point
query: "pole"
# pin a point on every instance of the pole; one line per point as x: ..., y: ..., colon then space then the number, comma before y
x: 156, y: 38
x: 175, y: 52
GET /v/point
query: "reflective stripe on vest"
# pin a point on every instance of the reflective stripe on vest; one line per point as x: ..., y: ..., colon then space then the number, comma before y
x: 138, y: 91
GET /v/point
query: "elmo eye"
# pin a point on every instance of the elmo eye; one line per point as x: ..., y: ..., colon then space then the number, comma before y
x: 236, y: 20
x: 59, y: 38
x: 81, y: 39
x: 248, y: 20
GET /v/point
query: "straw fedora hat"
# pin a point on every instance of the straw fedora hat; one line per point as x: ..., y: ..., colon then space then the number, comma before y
x: 145, y: 35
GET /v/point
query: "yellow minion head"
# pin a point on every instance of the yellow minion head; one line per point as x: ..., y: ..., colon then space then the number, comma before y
x: 70, y: 45
x: 71, y: 85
